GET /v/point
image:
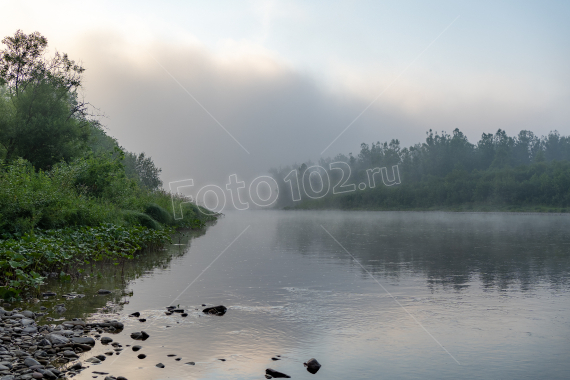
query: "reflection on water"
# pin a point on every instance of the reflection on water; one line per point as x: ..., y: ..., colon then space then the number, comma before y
x: 492, y: 288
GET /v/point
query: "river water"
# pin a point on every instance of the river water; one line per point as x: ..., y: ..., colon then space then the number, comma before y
x: 395, y: 295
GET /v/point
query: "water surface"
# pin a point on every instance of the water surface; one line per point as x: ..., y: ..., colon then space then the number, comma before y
x: 380, y: 301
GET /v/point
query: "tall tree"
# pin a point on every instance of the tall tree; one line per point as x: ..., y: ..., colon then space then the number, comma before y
x: 46, y: 121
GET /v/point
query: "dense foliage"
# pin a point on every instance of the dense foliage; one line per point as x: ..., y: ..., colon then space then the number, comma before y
x: 500, y: 172
x: 69, y: 193
x: 26, y: 261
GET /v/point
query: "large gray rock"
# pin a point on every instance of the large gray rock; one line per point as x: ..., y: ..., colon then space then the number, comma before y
x: 29, y: 362
x: 28, y: 314
x: 29, y: 330
x: 26, y: 321
x: 56, y: 339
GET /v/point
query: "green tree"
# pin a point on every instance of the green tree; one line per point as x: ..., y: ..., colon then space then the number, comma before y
x: 43, y: 120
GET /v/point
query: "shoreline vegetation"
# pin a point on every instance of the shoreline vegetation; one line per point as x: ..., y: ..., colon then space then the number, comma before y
x: 70, y: 195
x: 499, y: 173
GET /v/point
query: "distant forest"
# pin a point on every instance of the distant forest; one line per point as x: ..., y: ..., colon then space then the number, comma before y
x: 447, y: 172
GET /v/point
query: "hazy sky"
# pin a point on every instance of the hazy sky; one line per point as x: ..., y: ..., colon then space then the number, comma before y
x: 285, y: 78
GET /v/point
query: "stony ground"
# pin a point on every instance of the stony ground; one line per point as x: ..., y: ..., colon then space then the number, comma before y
x: 30, y: 351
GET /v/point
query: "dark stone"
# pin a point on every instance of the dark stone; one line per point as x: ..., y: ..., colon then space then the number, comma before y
x: 136, y: 348
x: 83, y: 341
x: 121, y: 378
x: 312, y: 365
x: 171, y: 355
x: 101, y: 357
x: 177, y: 359
x: 135, y: 314
x: 142, y: 320
x: 275, y: 359
x: 76, y: 366
x: 216, y: 310
x: 184, y: 314
x: 222, y: 360
x: 140, y: 335
x: 47, y: 373
x: 168, y: 312
x: 106, y: 340
x: 203, y: 304
x: 190, y: 363
x: 141, y: 356
x: 160, y: 365
x: 171, y: 307
x: 178, y: 310
x: 276, y: 374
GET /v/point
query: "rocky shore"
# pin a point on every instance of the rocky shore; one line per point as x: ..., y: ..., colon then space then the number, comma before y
x: 31, y: 351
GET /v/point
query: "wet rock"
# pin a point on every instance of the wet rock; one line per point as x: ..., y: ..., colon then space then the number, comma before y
x: 190, y: 363
x: 276, y: 374
x: 171, y: 355
x: 135, y: 314
x: 141, y: 356
x: 275, y: 359
x: 142, y: 320
x: 312, y: 365
x: 121, y: 378
x: 93, y: 360
x: 106, y: 340
x: 136, y: 348
x: 76, y: 366
x: 216, y: 310
x: 178, y: 310
x: 168, y: 312
x: 140, y: 335
x: 70, y: 354
x: 171, y: 307
x: 83, y: 340
x: 184, y: 314
x: 104, y: 291
x: 37, y: 375
x: 160, y: 365
x: 101, y: 357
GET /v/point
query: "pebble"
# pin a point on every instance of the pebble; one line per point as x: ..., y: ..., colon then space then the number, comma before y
x: 160, y: 365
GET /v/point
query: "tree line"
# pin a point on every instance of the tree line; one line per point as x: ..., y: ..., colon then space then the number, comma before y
x: 446, y: 171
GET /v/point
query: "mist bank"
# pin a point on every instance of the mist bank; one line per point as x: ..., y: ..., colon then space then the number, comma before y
x: 446, y: 172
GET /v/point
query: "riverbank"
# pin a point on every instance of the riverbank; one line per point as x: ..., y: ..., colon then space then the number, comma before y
x: 33, y: 351
x: 467, y: 208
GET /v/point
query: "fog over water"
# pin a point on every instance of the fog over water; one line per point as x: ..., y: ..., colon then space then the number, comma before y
x: 493, y: 289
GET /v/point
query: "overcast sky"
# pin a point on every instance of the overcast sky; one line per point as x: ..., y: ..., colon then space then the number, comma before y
x: 211, y: 88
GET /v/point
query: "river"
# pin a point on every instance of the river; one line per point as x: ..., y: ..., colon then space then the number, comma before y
x: 394, y: 295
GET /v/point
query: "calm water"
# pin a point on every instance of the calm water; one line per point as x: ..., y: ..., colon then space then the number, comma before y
x: 493, y: 289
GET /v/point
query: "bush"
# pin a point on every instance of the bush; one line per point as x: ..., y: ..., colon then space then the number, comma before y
x: 159, y: 214
x: 135, y: 218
